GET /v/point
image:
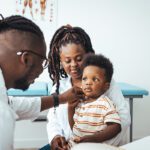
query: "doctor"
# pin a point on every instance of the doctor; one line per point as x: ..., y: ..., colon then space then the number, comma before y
x: 22, y: 59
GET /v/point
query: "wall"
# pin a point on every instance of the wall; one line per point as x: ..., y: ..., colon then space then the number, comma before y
x: 120, y: 29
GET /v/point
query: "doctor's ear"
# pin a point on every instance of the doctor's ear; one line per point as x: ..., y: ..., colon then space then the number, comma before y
x: 26, y: 59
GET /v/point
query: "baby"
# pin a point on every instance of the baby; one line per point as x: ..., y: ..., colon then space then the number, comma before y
x: 94, y: 119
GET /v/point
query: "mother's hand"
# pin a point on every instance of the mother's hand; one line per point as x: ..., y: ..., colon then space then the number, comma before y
x: 59, y: 143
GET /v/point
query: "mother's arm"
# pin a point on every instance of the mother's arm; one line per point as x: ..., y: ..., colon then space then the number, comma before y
x: 115, y: 94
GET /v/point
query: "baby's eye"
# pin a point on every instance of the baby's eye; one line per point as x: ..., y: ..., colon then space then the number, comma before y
x: 96, y: 79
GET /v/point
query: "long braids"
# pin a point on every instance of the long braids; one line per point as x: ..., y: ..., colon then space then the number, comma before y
x: 63, y: 36
x: 21, y: 23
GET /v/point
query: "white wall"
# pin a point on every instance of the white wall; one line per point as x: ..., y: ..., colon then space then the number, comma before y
x: 120, y: 29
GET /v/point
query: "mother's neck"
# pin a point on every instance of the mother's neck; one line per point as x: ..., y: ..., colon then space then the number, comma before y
x: 76, y: 82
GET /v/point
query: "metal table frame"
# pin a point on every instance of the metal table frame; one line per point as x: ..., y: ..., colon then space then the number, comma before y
x: 131, y: 97
x: 131, y: 91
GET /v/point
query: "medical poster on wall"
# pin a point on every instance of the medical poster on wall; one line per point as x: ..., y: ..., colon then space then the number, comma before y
x: 38, y: 10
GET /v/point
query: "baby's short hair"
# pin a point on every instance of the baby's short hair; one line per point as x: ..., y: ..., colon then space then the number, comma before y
x: 100, y: 61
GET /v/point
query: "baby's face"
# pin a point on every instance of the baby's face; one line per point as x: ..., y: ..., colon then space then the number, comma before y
x: 93, y: 81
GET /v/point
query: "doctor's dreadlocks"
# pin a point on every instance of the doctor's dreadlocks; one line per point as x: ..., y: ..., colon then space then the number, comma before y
x: 19, y: 23
x: 65, y: 35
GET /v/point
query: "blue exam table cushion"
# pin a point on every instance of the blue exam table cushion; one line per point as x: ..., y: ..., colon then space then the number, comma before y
x: 35, y: 89
x: 128, y: 89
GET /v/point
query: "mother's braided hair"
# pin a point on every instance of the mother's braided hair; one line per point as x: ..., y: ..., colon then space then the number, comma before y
x: 64, y: 35
x: 21, y: 23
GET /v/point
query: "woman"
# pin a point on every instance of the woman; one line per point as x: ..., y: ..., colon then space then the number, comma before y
x: 67, y: 49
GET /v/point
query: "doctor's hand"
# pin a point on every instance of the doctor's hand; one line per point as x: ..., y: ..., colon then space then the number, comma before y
x: 71, y: 95
x: 59, y: 143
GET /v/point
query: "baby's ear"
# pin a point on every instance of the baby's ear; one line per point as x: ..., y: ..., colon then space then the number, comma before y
x: 107, y: 85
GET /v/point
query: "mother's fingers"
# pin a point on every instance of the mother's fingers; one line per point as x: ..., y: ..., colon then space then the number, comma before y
x: 64, y: 143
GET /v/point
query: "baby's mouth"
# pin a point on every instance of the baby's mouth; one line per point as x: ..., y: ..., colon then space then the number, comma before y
x: 87, y: 89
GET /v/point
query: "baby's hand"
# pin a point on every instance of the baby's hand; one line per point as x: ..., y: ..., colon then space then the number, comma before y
x: 77, y: 139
